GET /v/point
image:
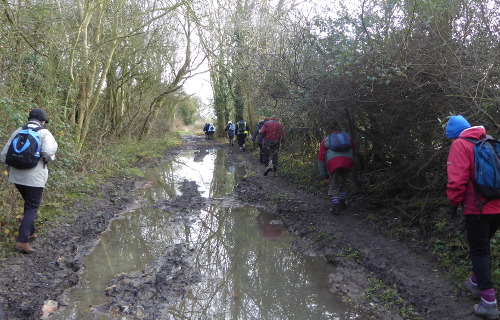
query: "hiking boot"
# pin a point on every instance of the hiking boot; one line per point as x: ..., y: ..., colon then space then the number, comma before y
x: 243, y: 147
x: 343, y: 203
x: 335, y: 209
x: 343, y: 200
x: 486, y: 310
x: 473, y: 289
x: 268, y: 169
x: 32, y: 236
x: 24, y: 247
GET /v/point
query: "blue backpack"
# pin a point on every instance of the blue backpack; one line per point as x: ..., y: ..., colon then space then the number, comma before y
x: 24, y: 150
x: 487, y: 162
x: 340, y: 142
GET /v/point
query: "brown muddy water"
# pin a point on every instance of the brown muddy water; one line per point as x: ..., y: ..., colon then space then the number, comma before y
x: 248, y: 263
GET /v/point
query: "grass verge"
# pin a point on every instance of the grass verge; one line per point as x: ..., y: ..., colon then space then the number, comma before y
x: 73, y: 177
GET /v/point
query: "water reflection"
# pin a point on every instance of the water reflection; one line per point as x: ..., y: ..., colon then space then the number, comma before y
x: 130, y: 243
x: 213, y: 177
x: 270, y: 226
x: 246, y: 276
x: 249, y: 267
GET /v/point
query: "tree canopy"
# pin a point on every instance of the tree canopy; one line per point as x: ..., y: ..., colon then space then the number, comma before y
x: 389, y: 71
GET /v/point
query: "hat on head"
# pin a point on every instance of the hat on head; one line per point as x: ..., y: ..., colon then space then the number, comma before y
x: 229, y: 122
x: 38, y: 114
x: 455, y: 126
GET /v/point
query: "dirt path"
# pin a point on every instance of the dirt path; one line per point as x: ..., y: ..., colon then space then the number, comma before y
x: 359, y: 252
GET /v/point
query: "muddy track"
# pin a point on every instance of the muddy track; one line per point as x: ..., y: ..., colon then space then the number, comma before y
x: 26, y: 281
x: 400, y: 266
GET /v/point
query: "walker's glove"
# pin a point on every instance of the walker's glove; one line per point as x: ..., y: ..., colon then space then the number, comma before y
x: 453, y: 211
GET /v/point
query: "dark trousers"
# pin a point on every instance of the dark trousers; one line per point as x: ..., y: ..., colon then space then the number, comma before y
x: 32, y: 197
x: 231, y: 142
x: 263, y: 155
x: 271, y: 149
x: 480, y: 229
x: 241, y: 139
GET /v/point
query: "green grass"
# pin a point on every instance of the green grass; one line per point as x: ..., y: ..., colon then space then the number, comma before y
x: 388, y: 298
x: 322, y: 238
x: 350, y: 253
x: 302, y: 168
x: 280, y: 196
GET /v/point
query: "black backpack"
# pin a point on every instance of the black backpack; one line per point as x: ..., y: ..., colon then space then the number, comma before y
x: 24, y: 150
x: 241, y: 127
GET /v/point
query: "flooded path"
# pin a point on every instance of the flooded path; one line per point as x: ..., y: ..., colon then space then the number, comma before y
x: 242, y: 263
x: 203, y: 236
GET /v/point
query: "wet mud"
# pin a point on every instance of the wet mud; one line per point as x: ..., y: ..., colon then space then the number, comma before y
x: 359, y: 252
x: 150, y: 292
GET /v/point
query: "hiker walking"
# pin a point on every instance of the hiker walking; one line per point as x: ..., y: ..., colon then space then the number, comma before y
x: 230, y: 128
x: 26, y: 153
x: 258, y: 137
x: 211, y: 131
x: 241, y: 133
x: 482, y: 218
x: 272, y: 134
x: 205, y: 130
x: 335, y: 161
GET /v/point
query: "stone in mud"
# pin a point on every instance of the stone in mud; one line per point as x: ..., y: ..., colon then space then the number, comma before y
x: 49, y: 307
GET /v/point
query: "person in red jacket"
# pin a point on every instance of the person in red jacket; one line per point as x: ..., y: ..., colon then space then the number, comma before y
x: 272, y: 133
x: 336, y: 166
x: 481, y: 224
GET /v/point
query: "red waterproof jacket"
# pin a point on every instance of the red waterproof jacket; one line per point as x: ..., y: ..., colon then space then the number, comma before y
x: 272, y: 130
x: 329, y: 160
x: 461, y: 169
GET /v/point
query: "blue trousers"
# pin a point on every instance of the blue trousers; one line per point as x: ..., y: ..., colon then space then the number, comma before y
x: 32, y: 197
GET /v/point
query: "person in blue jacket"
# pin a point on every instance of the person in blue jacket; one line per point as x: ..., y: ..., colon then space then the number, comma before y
x: 230, y: 128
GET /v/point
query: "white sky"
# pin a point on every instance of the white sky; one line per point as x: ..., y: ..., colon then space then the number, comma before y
x: 200, y: 86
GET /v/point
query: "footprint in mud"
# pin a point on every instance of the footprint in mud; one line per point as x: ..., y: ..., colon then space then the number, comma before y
x: 199, y: 155
x: 149, y: 292
x: 190, y: 199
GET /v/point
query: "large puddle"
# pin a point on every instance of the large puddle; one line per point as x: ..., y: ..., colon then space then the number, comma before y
x: 248, y: 264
